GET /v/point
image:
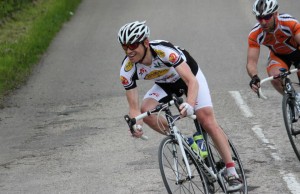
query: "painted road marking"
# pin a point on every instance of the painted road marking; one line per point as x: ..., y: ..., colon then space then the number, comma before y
x: 289, y: 178
x: 291, y: 181
x: 242, y: 105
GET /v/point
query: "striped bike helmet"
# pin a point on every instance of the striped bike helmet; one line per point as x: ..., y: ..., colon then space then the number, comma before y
x: 265, y: 7
x: 133, y: 32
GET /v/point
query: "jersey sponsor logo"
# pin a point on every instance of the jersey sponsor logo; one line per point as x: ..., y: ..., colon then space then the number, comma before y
x: 128, y: 66
x: 154, y: 94
x: 170, y: 76
x: 156, y: 73
x: 172, y: 58
x: 158, y: 64
x: 160, y: 53
x: 142, y: 71
x: 124, y: 81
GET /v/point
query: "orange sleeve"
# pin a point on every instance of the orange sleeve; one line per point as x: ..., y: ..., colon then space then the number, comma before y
x: 252, y: 42
x: 296, y: 28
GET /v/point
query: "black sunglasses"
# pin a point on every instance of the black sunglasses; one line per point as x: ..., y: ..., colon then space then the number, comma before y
x: 132, y: 46
x: 265, y: 17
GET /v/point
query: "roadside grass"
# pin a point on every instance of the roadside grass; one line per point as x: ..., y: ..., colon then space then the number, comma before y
x: 26, y: 35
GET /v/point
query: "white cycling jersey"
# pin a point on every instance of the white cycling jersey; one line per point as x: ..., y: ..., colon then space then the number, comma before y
x: 166, y: 57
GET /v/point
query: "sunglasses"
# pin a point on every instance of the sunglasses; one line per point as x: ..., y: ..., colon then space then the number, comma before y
x: 266, y: 17
x: 132, y: 46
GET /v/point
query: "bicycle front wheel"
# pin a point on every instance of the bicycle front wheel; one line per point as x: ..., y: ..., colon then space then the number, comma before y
x: 291, y: 125
x: 174, y: 171
x: 217, y: 163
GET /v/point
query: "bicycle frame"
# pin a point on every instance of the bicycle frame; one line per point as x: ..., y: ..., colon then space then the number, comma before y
x: 290, y: 108
x: 282, y: 76
x: 287, y: 87
x: 174, y: 131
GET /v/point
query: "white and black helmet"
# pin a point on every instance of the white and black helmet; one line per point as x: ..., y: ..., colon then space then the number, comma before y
x: 133, y: 32
x: 265, y: 7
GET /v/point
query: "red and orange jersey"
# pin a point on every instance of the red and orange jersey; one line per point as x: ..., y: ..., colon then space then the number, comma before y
x: 282, y: 40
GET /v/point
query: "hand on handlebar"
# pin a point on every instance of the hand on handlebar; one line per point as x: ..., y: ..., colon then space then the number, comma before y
x: 255, y: 83
x: 186, y: 109
x: 138, y: 131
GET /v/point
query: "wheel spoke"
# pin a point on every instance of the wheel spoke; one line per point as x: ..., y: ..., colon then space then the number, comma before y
x: 174, y: 171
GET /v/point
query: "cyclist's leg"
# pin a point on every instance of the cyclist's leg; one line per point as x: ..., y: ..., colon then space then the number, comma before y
x: 150, y: 101
x: 207, y: 119
x: 296, y: 60
x: 161, y: 93
x: 216, y: 162
x: 205, y: 115
x: 274, y: 64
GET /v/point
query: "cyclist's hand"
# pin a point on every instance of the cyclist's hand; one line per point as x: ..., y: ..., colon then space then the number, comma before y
x: 255, y: 83
x: 138, y: 131
x: 186, y: 109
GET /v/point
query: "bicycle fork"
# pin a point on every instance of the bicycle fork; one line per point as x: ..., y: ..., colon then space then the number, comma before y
x: 291, y: 92
x: 180, y: 143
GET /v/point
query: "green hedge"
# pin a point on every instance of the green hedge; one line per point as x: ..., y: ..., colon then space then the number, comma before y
x: 9, y: 6
x: 25, y: 38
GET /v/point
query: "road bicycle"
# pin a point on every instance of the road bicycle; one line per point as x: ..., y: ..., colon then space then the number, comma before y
x: 182, y: 169
x: 290, y: 107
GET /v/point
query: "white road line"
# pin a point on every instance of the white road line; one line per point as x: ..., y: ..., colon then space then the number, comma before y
x: 289, y: 178
x: 240, y: 102
x: 291, y: 181
x: 258, y: 131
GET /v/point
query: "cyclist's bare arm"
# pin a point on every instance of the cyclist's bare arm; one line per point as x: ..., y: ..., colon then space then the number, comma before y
x: 252, y: 59
x: 190, y: 80
x: 297, y: 38
x: 134, y: 107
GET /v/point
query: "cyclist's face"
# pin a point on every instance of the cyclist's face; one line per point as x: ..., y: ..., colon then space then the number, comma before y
x: 267, y: 22
x: 134, y: 52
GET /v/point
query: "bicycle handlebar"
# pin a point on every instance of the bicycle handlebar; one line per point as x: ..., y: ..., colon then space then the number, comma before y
x: 280, y: 75
x: 132, y: 121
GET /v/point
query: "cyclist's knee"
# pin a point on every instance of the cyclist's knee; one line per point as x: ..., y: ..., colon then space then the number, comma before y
x: 207, y: 119
x: 148, y: 104
x: 150, y: 120
x: 277, y: 85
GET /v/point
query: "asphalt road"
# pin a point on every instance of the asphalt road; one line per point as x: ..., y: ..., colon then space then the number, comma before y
x: 63, y: 132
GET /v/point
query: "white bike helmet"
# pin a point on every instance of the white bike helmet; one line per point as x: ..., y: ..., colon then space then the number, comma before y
x: 265, y: 7
x: 133, y: 32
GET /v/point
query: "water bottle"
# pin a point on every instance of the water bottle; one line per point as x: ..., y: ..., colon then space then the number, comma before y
x: 193, y: 145
x: 198, y: 138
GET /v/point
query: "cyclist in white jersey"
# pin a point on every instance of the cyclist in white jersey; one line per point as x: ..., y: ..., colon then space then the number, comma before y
x: 173, y: 70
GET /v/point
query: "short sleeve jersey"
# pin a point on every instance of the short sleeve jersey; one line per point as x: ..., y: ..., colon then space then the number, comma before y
x: 166, y: 57
x: 281, y: 41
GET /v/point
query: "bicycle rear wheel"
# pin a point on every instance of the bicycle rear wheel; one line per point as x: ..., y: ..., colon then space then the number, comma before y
x: 216, y: 162
x: 292, y: 127
x: 174, y: 172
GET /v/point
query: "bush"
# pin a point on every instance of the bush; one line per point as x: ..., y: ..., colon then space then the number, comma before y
x: 7, y: 7
x: 24, y: 39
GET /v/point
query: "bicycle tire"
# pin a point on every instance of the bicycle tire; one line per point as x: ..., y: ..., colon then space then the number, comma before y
x: 216, y: 163
x: 170, y: 156
x: 288, y: 109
